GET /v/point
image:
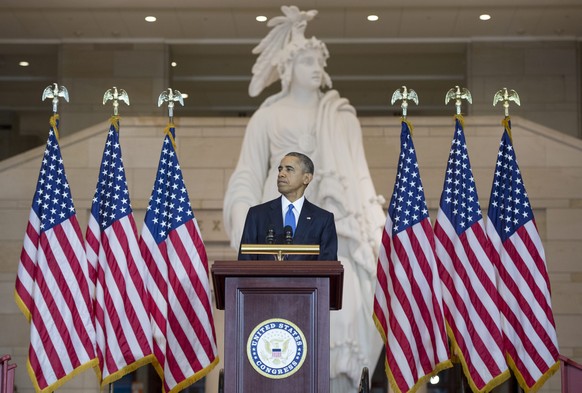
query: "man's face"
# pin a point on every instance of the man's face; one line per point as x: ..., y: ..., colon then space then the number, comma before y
x: 291, y: 180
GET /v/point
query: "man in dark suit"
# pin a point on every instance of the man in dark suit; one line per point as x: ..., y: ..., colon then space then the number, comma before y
x: 305, y: 222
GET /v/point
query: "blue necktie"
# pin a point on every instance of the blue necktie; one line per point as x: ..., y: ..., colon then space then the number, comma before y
x: 290, y: 218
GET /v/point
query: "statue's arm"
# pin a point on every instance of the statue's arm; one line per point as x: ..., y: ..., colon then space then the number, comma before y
x: 375, y: 215
x: 246, y: 184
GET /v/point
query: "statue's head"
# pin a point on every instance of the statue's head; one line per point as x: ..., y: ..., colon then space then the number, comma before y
x: 297, y: 56
x: 281, y: 47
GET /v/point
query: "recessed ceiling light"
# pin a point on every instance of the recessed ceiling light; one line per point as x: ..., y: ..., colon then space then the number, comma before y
x: 173, y: 64
x: 150, y: 18
x: 261, y: 18
x: 484, y: 16
x: 24, y: 64
x: 373, y: 18
x: 184, y: 95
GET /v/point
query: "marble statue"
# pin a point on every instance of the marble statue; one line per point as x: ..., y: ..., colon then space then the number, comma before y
x: 323, y: 126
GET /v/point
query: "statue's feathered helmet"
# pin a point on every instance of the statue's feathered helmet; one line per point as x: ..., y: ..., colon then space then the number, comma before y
x: 278, y: 50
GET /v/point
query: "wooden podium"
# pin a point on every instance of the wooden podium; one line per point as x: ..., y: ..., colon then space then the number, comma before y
x: 276, y: 335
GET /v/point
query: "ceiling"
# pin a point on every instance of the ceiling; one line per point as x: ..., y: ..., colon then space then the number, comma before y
x: 234, y: 20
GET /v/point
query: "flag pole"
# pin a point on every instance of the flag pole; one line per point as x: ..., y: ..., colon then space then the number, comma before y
x: 505, y: 95
x: 169, y: 219
x: 112, y: 248
x: 405, y: 95
x: 170, y: 96
x: 522, y: 272
x: 399, y: 272
x: 458, y: 94
x: 115, y: 95
x: 53, y: 252
x: 54, y: 91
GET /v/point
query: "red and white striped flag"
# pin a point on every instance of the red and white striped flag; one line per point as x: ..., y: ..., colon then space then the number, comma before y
x: 407, y: 304
x: 182, y: 321
x: 467, y: 270
x: 524, y: 286
x: 52, y: 286
x: 118, y: 271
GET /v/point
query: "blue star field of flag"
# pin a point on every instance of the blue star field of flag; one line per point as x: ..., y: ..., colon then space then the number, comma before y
x: 509, y: 206
x: 459, y: 199
x: 53, y: 202
x: 111, y: 200
x: 407, y: 205
x: 169, y: 205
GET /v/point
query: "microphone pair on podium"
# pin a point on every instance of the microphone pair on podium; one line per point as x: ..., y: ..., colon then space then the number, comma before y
x: 280, y: 251
x: 270, y: 239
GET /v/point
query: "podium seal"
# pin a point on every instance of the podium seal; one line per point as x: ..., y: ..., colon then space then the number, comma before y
x: 276, y: 348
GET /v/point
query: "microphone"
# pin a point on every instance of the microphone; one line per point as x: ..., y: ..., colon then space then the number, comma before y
x: 270, y: 239
x: 288, y: 234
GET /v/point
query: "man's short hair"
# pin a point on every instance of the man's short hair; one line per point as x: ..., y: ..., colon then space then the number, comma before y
x: 306, y: 163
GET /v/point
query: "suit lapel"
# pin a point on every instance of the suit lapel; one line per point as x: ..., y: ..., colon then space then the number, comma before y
x: 276, y: 215
x: 304, y: 222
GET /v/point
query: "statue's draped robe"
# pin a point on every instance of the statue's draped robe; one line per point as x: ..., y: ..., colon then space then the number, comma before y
x: 331, y: 136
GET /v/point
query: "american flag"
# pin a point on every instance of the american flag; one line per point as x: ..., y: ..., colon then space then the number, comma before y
x: 467, y: 270
x: 524, y: 287
x: 117, y: 270
x: 182, y: 321
x: 52, y: 287
x: 407, y: 304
